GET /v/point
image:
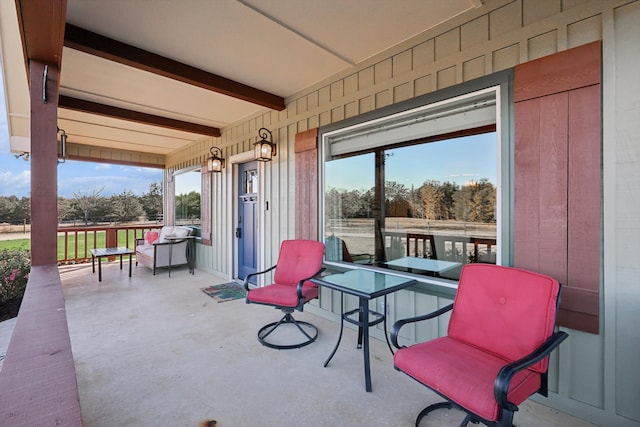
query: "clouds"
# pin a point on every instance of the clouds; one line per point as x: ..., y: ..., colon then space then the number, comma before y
x: 76, y: 176
x: 15, y: 183
x: 86, y: 177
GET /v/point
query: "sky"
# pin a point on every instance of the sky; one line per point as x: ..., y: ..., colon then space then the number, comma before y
x: 460, y: 161
x: 73, y: 176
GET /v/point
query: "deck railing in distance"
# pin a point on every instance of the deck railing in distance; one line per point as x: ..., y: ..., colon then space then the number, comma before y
x: 75, y: 243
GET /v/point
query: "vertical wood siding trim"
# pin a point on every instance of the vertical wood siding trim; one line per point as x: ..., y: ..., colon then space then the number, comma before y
x: 526, y: 245
x: 583, y: 264
x: 557, y: 201
x: 584, y: 173
x: 552, y: 141
x: 205, y: 206
x: 170, y: 199
x: 306, y: 159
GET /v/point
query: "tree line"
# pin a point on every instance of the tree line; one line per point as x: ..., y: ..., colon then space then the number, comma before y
x: 90, y: 206
x: 433, y: 200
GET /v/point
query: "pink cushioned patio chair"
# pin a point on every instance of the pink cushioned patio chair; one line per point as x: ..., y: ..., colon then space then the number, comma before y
x: 299, y: 261
x: 495, y: 354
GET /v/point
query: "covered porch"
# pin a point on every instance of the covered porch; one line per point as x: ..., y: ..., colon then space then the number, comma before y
x: 112, y: 100
x: 153, y: 350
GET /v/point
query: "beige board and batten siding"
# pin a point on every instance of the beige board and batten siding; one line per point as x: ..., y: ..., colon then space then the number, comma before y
x: 595, y: 377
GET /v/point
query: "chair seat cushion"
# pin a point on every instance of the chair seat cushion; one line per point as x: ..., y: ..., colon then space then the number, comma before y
x: 145, y: 249
x: 282, y: 295
x: 464, y: 374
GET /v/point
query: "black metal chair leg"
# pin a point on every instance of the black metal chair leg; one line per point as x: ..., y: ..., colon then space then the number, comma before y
x: 275, y: 326
x: 266, y: 330
x: 430, y: 408
x: 294, y: 321
x: 467, y: 420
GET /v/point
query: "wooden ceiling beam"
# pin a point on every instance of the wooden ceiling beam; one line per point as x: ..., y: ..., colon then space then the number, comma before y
x: 95, y: 44
x: 84, y: 106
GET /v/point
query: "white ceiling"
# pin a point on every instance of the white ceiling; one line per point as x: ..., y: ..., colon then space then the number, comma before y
x: 278, y: 46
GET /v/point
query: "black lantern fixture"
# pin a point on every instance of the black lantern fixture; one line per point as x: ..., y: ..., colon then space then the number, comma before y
x: 265, y: 149
x: 63, y: 146
x: 215, y: 163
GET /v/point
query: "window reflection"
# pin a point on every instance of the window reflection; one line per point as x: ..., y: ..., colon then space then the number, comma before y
x: 426, y: 208
x: 188, y: 188
x: 349, y: 204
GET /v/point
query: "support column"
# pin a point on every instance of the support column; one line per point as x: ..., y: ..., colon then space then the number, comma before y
x: 44, y: 163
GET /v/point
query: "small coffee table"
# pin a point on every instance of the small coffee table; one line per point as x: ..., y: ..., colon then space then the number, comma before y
x: 107, y: 252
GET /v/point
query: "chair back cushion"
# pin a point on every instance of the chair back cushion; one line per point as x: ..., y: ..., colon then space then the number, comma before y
x: 298, y: 259
x: 182, y: 231
x: 166, y: 231
x: 336, y: 249
x: 505, y: 311
x: 171, y: 231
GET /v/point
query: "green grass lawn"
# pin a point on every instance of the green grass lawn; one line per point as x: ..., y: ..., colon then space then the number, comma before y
x: 100, y: 238
x: 24, y: 244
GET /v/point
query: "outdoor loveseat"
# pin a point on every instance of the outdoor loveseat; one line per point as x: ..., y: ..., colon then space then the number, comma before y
x: 167, y: 247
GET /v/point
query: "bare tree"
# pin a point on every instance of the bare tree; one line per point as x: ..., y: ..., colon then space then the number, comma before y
x: 87, y: 202
x: 125, y: 206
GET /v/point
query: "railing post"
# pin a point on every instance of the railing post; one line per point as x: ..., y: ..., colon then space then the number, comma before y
x: 112, y: 239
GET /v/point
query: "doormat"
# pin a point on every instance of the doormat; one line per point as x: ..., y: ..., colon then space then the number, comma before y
x: 226, y: 291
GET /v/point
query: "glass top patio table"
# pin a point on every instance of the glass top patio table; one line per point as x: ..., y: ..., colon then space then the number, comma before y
x: 366, y: 285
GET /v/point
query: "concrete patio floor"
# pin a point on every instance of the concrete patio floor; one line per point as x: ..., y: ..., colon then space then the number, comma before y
x: 156, y: 351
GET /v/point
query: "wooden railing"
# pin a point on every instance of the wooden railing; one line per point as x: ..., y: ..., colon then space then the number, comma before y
x: 75, y: 243
x: 38, y: 385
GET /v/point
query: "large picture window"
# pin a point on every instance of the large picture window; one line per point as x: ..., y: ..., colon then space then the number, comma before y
x: 417, y: 191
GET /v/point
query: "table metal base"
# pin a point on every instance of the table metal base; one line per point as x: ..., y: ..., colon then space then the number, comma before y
x: 363, y: 312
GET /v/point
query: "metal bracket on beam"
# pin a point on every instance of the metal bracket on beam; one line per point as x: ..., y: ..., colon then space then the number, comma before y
x: 44, y: 84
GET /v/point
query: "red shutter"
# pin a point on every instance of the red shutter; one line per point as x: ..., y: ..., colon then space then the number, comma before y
x: 558, y: 177
x: 306, y: 152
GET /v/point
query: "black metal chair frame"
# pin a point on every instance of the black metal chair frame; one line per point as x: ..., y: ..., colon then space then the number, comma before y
x: 503, y: 379
x: 287, y: 319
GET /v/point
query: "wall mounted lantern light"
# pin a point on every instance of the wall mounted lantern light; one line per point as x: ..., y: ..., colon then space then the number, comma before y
x: 216, y: 162
x: 63, y: 146
x: 265, y: 149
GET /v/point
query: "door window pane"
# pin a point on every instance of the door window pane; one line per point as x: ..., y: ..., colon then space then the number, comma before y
x: 251, y: 181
